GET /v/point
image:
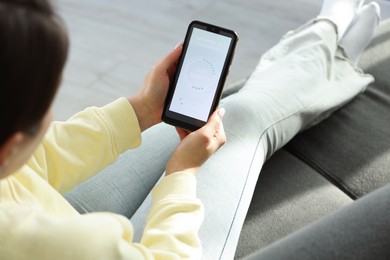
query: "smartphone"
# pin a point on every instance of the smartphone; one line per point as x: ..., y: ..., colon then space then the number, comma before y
x: 201, y: 72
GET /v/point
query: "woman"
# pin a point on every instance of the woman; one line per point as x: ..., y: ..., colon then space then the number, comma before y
x: 38, y: 223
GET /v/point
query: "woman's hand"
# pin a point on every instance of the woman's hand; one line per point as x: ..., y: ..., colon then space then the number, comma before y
x: 196, y: 147
x: 148, y: 103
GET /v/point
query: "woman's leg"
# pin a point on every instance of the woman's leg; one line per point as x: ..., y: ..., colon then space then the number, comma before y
x: 367, y: 17
x: 123, y: 186
x: 296, y: 84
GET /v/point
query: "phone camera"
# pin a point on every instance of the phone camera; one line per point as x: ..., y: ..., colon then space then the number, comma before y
x: 214, y: 30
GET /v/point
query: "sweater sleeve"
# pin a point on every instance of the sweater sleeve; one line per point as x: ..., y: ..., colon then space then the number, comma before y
x: 171, y: 232
x: 175, y: 217
x: 73, y: 151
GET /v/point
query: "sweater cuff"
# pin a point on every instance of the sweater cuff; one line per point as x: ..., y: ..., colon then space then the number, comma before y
x: 122, y: 122
x: 177, y: 186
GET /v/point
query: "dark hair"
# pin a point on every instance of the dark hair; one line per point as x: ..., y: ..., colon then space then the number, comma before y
x: 33, y: 52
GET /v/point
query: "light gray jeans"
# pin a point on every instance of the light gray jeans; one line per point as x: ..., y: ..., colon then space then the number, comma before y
x: 296, y: 84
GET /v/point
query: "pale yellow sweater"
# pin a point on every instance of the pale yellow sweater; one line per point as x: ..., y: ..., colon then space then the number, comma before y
x: 36, y: 222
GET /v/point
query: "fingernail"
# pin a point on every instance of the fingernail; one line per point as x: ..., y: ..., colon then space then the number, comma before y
x: 179, y: 44
x: 221, y: 112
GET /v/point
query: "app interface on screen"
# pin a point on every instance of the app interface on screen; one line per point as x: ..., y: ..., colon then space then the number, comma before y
x: 201, y: 69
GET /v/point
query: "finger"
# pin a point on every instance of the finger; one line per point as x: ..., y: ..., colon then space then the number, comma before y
x: 170, y: 60
x: 215, y: 121
x: 220, y: 136
x: 214, y: 131
x: 221, y: 112
x: 172, y: 68
x: 182, y: 133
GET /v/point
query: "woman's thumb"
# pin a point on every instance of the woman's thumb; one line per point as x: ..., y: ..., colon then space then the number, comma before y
x: 215, y: 121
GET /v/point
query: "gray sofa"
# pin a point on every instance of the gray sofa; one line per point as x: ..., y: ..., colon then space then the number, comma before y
x: 325, y: 194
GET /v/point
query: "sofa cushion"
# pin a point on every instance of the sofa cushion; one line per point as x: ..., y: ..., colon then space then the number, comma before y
x: 288, y: 196
x: 352, y: 147
x: 357, y: 231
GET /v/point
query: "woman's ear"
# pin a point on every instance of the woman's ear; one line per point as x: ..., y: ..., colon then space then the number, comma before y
x: 7, y: 148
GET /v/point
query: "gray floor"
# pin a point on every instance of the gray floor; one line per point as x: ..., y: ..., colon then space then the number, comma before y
x: 115, y: 42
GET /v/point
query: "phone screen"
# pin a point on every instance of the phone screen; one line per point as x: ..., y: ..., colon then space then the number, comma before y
x: 200, y: 74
